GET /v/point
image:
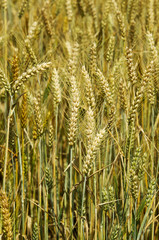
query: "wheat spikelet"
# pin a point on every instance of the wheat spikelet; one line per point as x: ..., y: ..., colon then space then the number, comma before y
x: 89, y: 91
x: 15, y: 67
x: 93, y: 59
x: 147, y: 74
x: 131, y: 68
x: 35, y: 233
x: 83, y: 6
x: 74, y: 111
x: 91, y: 152
x: 132, y: 10
x: 25, y: 165
x: 110, y: 49
x: 92, y: 8
x: 136, y: 159
x: 105, y: 14
x: 115, y: 232
x: 132, y: 32
x: 153, y: 49
x: 22, y: 8
x: 6, y: 221
x: 74, y: 3
x: 55, y: 86
x: 72, y: 63
x: 69, y: 48
x: 120, y: 19
x: 90, y: 127
x: 133, y: 183
x: 4, y: 82
x: 4, y: 4
x: 30, y: 52
x: 29, y: 73
x: 135, y: 105
x: 151, y: 15
x: 112, y: 86
x: 142, y: 166
x: 131, y: 138
x: 38, y: 117
x: 108, y: 197
x: 111, y: 197
x: 35, y: 131
x: 122, y: 95
x: 105, y: 199
x: 111, y: 118
x: 139, y: 94
x: 69, y: 10
x: 150, y: 191
x: 129, y: 8
x: 155, y: 82
x: 105, y: 87
x: 136, y: 172
x: 154, y: 58
x: 51, y: 136
x: 33, y: 31
x: 45, y: 121
x: 48, y: 178
x: 47, y: 23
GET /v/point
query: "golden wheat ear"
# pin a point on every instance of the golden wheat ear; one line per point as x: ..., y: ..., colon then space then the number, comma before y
x: 6, y: 219
x: 23, y: 8
x: 4, y: 82
x: 90, y: 98
x: 73, y: 111
x: 91, y: 152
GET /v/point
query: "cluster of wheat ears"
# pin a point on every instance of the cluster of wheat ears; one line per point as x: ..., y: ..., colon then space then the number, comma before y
x: 79, y: 120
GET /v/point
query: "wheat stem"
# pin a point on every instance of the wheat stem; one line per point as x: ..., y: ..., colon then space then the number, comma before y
x: 71, y: 203
x: 82, y: 206
x: 21, y: 174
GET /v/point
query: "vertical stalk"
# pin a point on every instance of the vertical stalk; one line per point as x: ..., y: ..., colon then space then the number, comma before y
x: 23, y: 156
x: 4, y: 4
x: 82, y: 220
x: 6, y: 150
x: 103, y: 222
x: 80, y: 179
x: 152, y: 167
x: 46, y: 192
x: 102, y: 55
x: 1, y: 231
x: 100, y: 185
x: 21, y: 173
x: 71, y: 205
x: 53, y: 213
x: 56, y: 172
x: 95, y: 202
x: 92, y: 206
x: 65, y: 202
x: 5, y: 35
x: 14, y: 206
x: 134, y: 235
x: 153, y: 142
x: 106, y: 230
x: 45, y: 196
x: 39, y: 182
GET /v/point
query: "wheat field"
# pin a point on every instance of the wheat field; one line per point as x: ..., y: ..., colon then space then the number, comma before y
x: 79, y: 119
